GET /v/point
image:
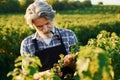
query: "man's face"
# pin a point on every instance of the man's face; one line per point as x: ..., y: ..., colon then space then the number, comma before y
x: 42, y: 25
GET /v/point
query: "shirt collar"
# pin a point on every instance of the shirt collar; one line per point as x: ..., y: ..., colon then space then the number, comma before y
x: 36, y: 36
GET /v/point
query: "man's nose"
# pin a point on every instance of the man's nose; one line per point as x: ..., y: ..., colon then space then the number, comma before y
x: 45, y: 28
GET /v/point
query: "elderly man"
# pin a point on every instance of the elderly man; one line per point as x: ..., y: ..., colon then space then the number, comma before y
x: 48, y: 42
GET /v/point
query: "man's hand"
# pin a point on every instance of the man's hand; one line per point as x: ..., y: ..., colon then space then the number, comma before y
x: 69, y: 60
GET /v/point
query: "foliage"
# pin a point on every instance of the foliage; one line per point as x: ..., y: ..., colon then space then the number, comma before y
x: 19, y: 6
x: 63, y: 4
x: 93, y: 64
x: 111, y: 44
x: 24, y: 4
x: 13, y: 30
x: 6, y: 64
x: 108, y: 42
x: 87, y: 3
x: 51, y: 2
x: 52, y: 74
x: 89, y: 25
x: 68, y: 5
x: 31, y: 66
x: 30, y: 69
x: 94, y: 9
x: 100, y: 3
x: 9, y: 6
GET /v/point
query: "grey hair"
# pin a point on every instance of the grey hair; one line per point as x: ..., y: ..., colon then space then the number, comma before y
x: 39, y: 9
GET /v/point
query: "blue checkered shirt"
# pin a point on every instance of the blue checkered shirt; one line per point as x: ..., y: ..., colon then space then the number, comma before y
x: 68, y: 36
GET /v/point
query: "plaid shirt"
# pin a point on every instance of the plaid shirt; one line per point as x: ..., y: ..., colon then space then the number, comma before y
x: 68, y: 37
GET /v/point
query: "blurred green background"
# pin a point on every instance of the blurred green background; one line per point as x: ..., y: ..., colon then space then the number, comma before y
x: 85, y: 19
